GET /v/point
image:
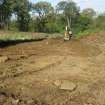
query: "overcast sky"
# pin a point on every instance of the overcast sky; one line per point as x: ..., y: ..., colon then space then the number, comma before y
x: 98, y: 5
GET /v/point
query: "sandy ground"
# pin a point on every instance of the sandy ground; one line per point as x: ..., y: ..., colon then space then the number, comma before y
x: 28, y: 77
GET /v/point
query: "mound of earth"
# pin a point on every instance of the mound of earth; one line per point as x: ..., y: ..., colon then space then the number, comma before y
x: 53, y: 46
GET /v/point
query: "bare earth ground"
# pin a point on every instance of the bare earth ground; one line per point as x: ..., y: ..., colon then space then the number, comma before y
x: 28, y: 77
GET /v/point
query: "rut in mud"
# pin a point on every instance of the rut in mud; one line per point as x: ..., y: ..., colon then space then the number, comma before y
x: 28, y: 76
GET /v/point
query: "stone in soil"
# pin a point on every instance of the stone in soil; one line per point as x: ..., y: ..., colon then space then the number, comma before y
x: 68, y: 85
x: 57, y: 83
x: 3, y: 59
x: 65, y: 85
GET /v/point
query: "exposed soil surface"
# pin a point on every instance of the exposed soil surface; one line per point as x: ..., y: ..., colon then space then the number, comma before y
x: 34, y: 71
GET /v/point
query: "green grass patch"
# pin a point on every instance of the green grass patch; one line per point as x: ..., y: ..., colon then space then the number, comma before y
x: 13, y: 36
x: 87, y: 32
x: 56, y: 35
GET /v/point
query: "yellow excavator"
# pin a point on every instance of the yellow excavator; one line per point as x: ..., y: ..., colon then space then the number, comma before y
x: 68, y: 34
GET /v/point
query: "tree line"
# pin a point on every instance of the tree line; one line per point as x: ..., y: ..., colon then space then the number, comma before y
x: 26, y: 16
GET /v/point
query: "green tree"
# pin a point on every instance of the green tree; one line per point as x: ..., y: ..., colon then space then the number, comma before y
x: 42, y: 10
x: 88, y: 12
x: 6, y: 10
x: 22, y: 9
x: 99, y: 21
x: 83, y: 23
x: 70, y: 11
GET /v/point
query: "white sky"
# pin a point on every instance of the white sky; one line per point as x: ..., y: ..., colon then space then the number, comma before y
x: 97, y: 5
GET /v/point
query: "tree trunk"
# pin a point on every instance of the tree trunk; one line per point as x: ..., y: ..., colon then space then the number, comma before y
x: 69, y: 22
